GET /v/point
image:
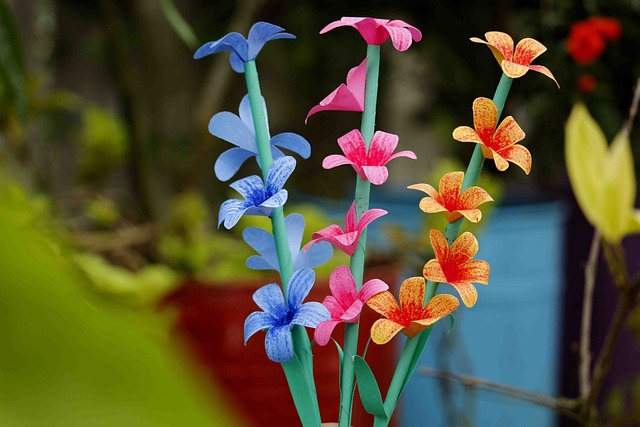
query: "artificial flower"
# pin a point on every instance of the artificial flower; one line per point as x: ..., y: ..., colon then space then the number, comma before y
x: 264, y: 243
x: 367, y: 164
x: 453, y: 265
x: 345, y: 302
x: 515, y: 63
x: 451, y: 200
x: 347, y: 97
x: 239, y: 131
x: 244, y: 50
x: 498, y: 144
x: 377, y: 31
x: 410, y: 316
x: 260, y: 198
x: 279, y: 316
x: 346, y: 240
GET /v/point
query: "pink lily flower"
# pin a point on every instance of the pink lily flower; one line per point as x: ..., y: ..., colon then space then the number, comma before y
x: 346, y: 240
x: 368, y: 165
x: 347, y: 97
x: 345, y: 302
x: 377, y: 31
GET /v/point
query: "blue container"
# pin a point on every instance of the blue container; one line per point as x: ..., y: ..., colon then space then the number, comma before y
x: 511, y: 336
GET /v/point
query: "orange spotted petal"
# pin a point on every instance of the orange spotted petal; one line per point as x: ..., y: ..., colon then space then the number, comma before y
x: 430, y: 205
x: 450, y: 186
x: 507, y: 134
x: 385, y: 304
x: 466, y: 134
x: 425, y: 188
x: 485, y: 118
x: 513, y: 70
x: 527, y: 50
x: 502, y: 42
x: 439, y: 244
x: 433, y: 271
x: 412, y: 295
x: 468, y: 293
x: 473, y: 197
x: 463, y: 249
x: 544, y: 70
x: 383, y: 330
x: 519, y: 155
x: 438, y: 307
x: 501, y: 162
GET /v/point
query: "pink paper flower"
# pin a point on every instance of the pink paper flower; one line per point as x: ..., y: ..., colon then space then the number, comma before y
x: 347, y: 97
x: 377, y: 31
x: 346, y: 240
x: 345, y: 302
x: 368, y: 165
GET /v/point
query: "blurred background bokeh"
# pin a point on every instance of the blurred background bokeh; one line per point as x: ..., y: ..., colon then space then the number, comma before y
x: 117, y: 288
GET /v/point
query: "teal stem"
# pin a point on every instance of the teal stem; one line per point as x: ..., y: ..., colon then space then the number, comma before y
x: 414, y: 347
x: 362, y: 195
x: 301, y: 344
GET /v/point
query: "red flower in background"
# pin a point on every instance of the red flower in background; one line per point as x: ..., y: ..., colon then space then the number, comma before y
x: 586, y: 83
x: 587, y: 38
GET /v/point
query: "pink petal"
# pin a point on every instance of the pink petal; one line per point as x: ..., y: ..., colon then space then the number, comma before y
x: 341, y: 99
x: 350, y: 222
x: 371, y: 288
x: 369, y: 216
x: 406, y: 153
x: 356, y: 81
x: 335, y: 160
x: 376, y: 174
x: 346, y: 243
x: 353, y: 312
x: 372, y: 30
x: 415, y: 33
x: 323, y: 331
x: 382, y: 146
x: 334, y: 307
x: 400, y: 37
x: 545, y: 71
x: 353, y: 147
x: 345, y: 21
x: 343, y: 286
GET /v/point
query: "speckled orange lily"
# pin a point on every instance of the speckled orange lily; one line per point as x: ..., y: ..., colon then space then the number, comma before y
x: 410, y: 316
x: 515, y: 63
x: 498, y: 144
x: 451, y: 200
x: 453, y: 265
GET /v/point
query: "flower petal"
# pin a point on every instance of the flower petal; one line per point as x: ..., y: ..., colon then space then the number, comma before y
x: 334, y: 160
x: 279, y: 171
x: 257, y: 321
x: 370, y: 288
x: 473, y: 215
x: 352, y: 312
x: 262, y: 32
x: 278, y: 344
x: 251, y: 188
x: 513, y: 70
x: 233, y: 42
x: 425, y: 188
x: 401, y: 38
x: 463, y: 248
x: 343, y: 286
x: 385, y: 304
x: 314, y: 256
x: 229, y: 127
x: 293, y: 142
x: 412, y: 294
x: 270, y: 299
x: 237, y: 63
x: 383, y: 330
x: 324, y: 330
x: 527, y: 50
x: 371, y: 30
x: 294, y: 226
x: 404, y: 153
x: 545, y: 71
x: 502, y: 42
x: 485, y: 118
x: 466, y: 134
x: 467, y: 291
x: 501, y: 164
x: 474, y: 196
x: 433, y: 271
x: 275, y: 201
x: 230, y: 161
x: 381, y: 147
x: 256, y: 262
x: 350, y: 222
x: 334, y: 307
x: 260, y: 240
x: 378, y: 175
x: 439, y: 244
x: 231, y: 211
x: 310, y: 314
x: 450, y: 187
x: 439, y: 306
x: 299, y: 287
x: 415, y: 33
x: 368, y: 217
x: 519, y: 155
x: 353, y: 147
x: 430, y: 205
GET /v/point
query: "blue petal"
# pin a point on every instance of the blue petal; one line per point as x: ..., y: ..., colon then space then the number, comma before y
x: 299, y: 287
x: 278, y: 344
x: 247, y: 117
x: 294, y: 225
x: 262, y: 242
x: 259, y: 211
x: 237, y: 64
x: 276, y: 153
x: 232, y: 42
x: 310, y: 314
x: 251, y: 188
x: 231, y: 211
x: 256, y: 262
x: 277, y: 200
x: 231, y: 128
x: 270, y: 299
x: 316, y: 255
x: 261, y: 33
x: 257, y: 321
x: 230, y: 161
x: 294, y: 142
x: 280, y: 170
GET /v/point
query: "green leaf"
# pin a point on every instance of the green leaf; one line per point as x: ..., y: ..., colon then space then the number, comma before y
x: 452, y: 322
x: 585, y: 151
x: 12, y: 69
x: 341, y: 357
x: 301, y: 392
x: 368, y: 388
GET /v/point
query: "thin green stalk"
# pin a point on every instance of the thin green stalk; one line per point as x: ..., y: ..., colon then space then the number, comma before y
x: 413, y: 347
x: 363, y: 187
x: 301, y: 344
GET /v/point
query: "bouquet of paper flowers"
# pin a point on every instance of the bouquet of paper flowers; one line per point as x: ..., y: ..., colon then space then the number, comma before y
x: 284, y: 315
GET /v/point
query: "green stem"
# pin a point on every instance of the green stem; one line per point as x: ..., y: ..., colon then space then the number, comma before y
x: 413, y: 347
x: 363, y: 188
x: 301, y: 343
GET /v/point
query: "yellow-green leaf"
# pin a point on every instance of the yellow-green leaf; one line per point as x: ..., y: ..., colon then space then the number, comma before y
x: 585, y: 150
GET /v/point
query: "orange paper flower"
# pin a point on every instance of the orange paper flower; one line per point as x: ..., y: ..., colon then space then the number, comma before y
x: 497, y: 144
x: 451, y: 200
x: 410, y: 317
x: 453, y: 265
x: 515, y: 63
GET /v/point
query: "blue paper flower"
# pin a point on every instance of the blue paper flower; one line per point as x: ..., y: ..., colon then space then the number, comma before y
x: 264, y: 243
x: 260, y: 199
x: 239, y: 131
x: 244, y: 50
x: 280, y: 316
